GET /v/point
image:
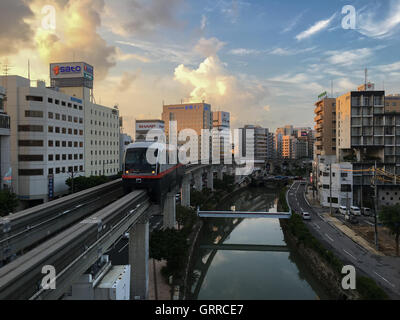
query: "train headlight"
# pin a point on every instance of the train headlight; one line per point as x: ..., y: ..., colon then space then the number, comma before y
x: 127, y: 171
x: 153, y: 172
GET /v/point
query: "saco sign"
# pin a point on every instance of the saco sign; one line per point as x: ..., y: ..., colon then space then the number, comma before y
x: 67, y: 69
x: 71, y: 70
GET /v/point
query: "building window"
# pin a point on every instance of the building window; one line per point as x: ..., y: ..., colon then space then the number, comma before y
x: 57, y: 101
x: 34, y: 98
x: 50, y: 100
x: 57, y: 143
x: 58, y: 170
x: 63, y: 103
x: 345, y: 188
x: 33, y: 114
x: 51, y: 171
x: 57, y: 129
x: 30, y: 143
x: 64, y: 157
x: 51, y: 157
x: 63, y: 117
x: 30, y: 128
x: 30, y: 157
x: 57, y: 116
x: 30, y: 172
x: 51, y: 129
x: 51, y: 143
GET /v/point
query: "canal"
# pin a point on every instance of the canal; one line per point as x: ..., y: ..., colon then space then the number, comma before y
x: 249, y: 274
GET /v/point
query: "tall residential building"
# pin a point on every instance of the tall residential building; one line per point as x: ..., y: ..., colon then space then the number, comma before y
x: 192, y: 116
x: 221, y: 139
x: 325, y: 126
x: 288, y: 147
x: 5, y: 164
x: 102, y: 124
x: 367, y: 133
x: 261, y: 139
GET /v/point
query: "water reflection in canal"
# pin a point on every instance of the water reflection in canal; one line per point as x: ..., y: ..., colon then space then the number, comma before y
x: 257, y: 275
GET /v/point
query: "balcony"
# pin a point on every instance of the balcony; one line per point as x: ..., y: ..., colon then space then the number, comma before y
x: 4, y: 121
x: 318, y: 118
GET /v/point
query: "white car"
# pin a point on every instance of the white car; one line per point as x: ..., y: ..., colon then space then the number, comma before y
x: 355, y: 211
x: 343, y: 210
x: 306, y: 216
x: 366, y: 211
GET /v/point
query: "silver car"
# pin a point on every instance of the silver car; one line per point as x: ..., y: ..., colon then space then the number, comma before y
x: 306, y: 216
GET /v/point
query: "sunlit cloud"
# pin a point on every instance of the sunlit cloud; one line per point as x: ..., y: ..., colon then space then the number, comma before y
x: 316, y: 28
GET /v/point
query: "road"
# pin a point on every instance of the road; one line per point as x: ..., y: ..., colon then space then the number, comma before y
x: 384, y: 270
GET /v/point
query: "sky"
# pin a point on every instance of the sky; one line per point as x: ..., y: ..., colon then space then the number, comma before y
x: 264, y: 61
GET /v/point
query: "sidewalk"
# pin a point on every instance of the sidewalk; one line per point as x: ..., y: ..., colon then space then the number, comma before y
x: 159, y: 289
x: 342, y: 227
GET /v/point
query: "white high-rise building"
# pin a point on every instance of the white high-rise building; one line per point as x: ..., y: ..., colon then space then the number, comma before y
x: 47, y: 139
x: 57, y: 132
x: 5, y: 164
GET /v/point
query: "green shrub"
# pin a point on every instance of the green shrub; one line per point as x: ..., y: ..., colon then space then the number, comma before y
x: 369, y: 290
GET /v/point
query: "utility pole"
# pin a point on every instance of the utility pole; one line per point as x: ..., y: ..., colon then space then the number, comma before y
x: 376, y: 207
x: 330, y: 189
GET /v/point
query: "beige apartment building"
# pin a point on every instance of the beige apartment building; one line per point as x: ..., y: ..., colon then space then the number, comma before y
x: 325, y: 127
x: 194, y: 116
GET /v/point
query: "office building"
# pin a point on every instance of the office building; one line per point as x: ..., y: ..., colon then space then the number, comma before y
x: 58, y: 132
x: 193, y: 117
x: 221, y: 139
x: 47, y: 139
x: 124, y: 141
x: 340, y: 180
x: 102, y: 124
x: 5, y: 161
x: 142, y: 128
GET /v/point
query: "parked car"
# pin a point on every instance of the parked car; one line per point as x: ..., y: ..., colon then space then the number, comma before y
x: 343, y: 210
x: 366, y: 211
x: 306, y: 216
x: 355, y: 211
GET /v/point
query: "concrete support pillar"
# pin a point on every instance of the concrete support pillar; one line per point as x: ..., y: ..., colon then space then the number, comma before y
x: 198, y: 181
x: 139, y: 260
x: 185, y: 193
x: 220, y: 174
x: 210, y: 179
x: 169, y: 211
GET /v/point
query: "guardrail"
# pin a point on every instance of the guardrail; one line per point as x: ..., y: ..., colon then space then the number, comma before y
x: 27, y: 228
x: 72, y: 251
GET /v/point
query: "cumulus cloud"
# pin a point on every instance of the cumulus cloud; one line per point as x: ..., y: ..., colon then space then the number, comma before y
x: 208, y: 47
x: 126, y: 81
x: 316, y: 28
x: 15, y: 32
x: 211, y: 82
x: 76, y: 35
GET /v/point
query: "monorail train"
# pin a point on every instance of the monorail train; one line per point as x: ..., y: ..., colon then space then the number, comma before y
x: 158, y: 178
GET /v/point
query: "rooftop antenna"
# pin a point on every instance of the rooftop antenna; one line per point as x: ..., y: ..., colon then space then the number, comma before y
x: 332, y: 88
x: 366, y: 77
x: 29, y: 71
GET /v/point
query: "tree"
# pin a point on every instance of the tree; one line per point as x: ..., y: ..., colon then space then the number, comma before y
x: 8, y: 202
x: 390, y: 218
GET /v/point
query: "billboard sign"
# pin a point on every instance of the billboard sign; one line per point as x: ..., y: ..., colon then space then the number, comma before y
x: 140, y: 126
x: 71, y: 70
x: 323, y: 95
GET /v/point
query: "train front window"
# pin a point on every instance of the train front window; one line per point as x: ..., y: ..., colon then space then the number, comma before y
x: 136, y: 160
